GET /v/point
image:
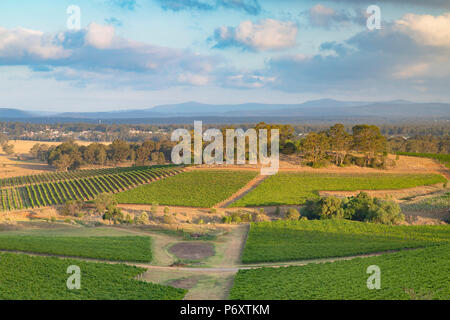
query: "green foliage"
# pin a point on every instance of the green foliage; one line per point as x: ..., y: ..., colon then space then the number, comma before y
x: 292, y: 214
x: 296, y: 188
x: 324, y: 208
x: 24, y: 277
x: 71, y: 207
x: 360, y: 208
x: 114, y: 214
x: 405, y: 275
x: 8, y: 148
x: 199, y: 188
x: 104, y: 201
x: 297, y: 240
x: 239, y: 217
x: 365, y: 208
x: 107, y: 248
x: 143, y: 218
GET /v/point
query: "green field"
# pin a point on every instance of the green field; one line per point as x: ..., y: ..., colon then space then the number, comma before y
x: 442, y: 158
x: 108, y: 248
x: 197, y: 188
x: 29, y: 278
x: 410, y: 274
x: 299, y: 240
x: 56, y: 188
x: 296, y: 188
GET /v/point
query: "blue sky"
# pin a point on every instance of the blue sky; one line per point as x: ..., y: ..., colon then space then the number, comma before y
x: 142, y: 53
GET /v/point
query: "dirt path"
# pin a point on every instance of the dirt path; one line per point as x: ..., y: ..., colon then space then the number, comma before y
x: 212, y: 270
x: 203, y: 283
x: 229, y: 248
x: 242, y: 192
x: 394, y: 193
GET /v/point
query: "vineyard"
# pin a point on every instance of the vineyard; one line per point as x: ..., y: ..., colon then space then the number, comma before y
x: 56, y: 188
x: 296, y: 188
x: 199, y: 188
x: 299, y: 240
x: 410, y: 274
x: 134, y: 248
x: 24, y: 277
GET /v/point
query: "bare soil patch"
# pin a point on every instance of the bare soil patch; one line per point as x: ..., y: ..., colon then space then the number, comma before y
x: 394, y: 194
x: 291, y: 163
x: 192, y: 251
x: 425, y: 218
x: 184, y: 283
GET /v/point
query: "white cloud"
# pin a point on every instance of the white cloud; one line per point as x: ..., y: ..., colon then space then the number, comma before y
x: 426, y: 29
x: 247, y: 81
x: 99, y: 36
x: 325, y: 17
x: 268, y: 34
x: 86, y: 57
x: 412, y: 71
x: 35, y: 45
x: 320, y: 15
x: 193, y: 79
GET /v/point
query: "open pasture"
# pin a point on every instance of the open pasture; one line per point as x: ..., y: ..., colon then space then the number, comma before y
x: 442, y: 158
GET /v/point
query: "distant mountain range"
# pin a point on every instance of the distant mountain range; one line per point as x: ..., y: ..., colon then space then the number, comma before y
x: 325, y: 109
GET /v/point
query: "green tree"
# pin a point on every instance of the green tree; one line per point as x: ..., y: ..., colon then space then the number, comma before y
x: 8, y: 148
x: 71, y: 207
x: 292, y: 214
x: 104, y: 201
x: 63, y: 162
x: 143, y: 218
x: 340, y: 142
x: 118, y: 151
x: 368, y: 140
x: 315, y: 146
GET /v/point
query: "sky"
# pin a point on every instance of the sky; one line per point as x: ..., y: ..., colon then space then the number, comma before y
x: 100, y: 55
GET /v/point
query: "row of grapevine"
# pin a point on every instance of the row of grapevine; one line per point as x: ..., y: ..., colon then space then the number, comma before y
x: 83, y: 188
x: 68, y: 175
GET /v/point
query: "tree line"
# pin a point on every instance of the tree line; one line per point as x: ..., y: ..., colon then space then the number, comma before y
x: 140, y: 132
x: 363, y: 145
x: 71, y: 156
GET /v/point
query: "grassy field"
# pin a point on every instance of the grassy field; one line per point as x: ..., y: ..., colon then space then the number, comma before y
x: 296, y: 188
x: 197, y: 188
x: 28, y: 278
x: 411, y: 274
x: 298, y: 240
x: 442, y: 158
x: 108, y: 248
